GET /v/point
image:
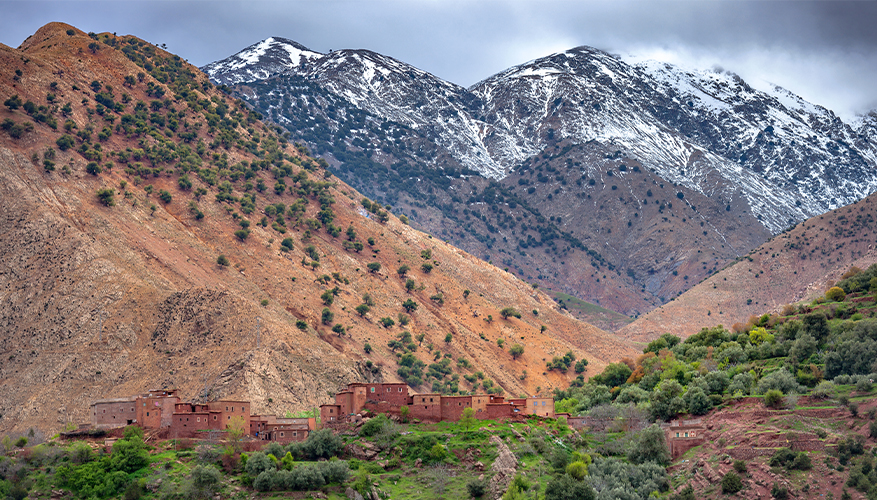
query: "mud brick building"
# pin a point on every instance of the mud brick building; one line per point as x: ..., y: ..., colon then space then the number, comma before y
x: 429, y: 407
x: 152, y: 410
x: 164, y: 410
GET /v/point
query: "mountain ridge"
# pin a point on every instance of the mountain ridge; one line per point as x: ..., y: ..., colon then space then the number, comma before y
x: 770, y: 159
x: 157, y: 234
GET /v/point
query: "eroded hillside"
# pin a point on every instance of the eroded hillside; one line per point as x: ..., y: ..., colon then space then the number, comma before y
x: 125, y: 177
x: 801, y: 263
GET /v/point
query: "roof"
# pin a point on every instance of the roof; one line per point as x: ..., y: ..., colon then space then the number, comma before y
x: 113, y: 400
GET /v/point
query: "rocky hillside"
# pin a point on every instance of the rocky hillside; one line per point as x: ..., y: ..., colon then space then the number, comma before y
x: 157, y: 234
x: 798, y: 264
x: 743, y: 164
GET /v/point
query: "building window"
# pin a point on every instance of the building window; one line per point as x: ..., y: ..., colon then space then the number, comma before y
x: 400, y: 389
x: 372, y: 389
x: 147, y: 414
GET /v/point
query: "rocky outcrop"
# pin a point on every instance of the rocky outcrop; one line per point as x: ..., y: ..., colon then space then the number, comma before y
x: 504, y: 468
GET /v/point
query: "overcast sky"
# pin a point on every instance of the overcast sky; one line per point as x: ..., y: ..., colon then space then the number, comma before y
x: 825, y: 51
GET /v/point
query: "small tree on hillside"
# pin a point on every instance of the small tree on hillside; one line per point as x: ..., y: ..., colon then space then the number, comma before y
x: 374, y: 267
x: 509, y: 311
x: 409, y: 306
x: 467, y: 419
x: 516, y: 351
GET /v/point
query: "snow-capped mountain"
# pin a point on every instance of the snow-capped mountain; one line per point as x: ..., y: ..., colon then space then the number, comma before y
x: 260, y: 61
x: 789, y: 159
x: 549, y: 136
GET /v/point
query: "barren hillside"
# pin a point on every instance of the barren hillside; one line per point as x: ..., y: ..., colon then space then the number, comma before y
x: 113, y: 295
x: 798, y: 264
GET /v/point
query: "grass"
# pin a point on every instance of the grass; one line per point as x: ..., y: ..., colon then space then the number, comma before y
x: 589, y: 309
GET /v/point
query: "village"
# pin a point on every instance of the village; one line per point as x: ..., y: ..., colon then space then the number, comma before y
x: 163, y: 410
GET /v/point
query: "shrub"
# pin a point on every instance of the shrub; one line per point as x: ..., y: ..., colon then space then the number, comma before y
x: 779, y: 492
x: 577, y: 470
x: 202, y: 483
x: 567, y: 488
x: 801, y: 462
x: 773, y: 398
x: 477, y: 487
x: 649, y: 445
x: 509, y: 311
x: 222, y: 260
x: 731, y: 483
x: 836, y: 294
x: 106, y: 196
x: 739, y: 466
x: 65, y: 142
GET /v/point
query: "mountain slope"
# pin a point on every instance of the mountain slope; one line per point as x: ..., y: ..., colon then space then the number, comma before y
x: 798, y: 264
x: 126, y: 175
x: 746, y: 163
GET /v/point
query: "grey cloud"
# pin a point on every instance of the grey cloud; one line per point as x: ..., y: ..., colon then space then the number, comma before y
x: 822, y: 50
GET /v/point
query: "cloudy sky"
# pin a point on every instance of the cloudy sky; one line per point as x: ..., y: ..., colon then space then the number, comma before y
x: 825, y: 51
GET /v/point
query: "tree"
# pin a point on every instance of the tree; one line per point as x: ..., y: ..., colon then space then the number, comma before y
x: 374, y: 267
x: 650, y: 445
x: 516, y: 350
x: 666, y: 400
x: 467, y: 419
x: 509, y: 311
x: 328, y: 297
x: 65, y: 142
x: 236, y: 428
x: 328, y: 316
x: 13, y: 102
x: 409, y: 306
x: 403, y: 269
x: 816, y: 325
x: 731, y: 483
x: 387, y: 322
x: 339, y: 329
x: 106, y: 196
x: 404, y: 411
x: 362, y: 309
x: 697, y: 401
x: 566, y: 487
x: 449, y: 338
x: 410, y: 285
x: 222, y: 260
x: 426, y: 267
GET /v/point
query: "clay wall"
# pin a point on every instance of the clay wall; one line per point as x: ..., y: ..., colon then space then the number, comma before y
x: 426, y: 407
x: 543, y: 407
x: 499, y: 411
x: 109, y: 413
x: 330, y: 414
x: 453, y: 406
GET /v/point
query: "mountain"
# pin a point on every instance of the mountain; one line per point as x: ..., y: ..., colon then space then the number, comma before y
x: 800, y: 263
x: 157, y: 234
x: 727, y: 165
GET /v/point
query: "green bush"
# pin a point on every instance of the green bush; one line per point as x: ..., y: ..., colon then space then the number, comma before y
x: 836, y: 294
x: 731, y: 483
x: 649, y: 445
x: 567, y: 488
x: 739, y: 466
x: 773, y: 398
x: 477, y: 487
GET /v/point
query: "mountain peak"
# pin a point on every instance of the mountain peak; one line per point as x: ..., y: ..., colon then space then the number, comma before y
x: 261, y: 60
